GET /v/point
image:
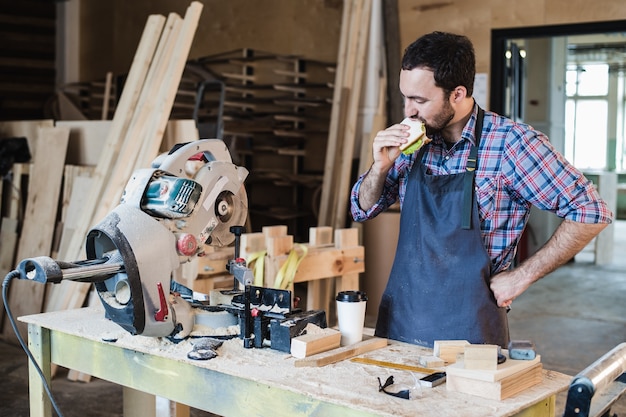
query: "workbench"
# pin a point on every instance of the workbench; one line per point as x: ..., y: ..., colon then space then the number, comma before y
x: 250, y: 382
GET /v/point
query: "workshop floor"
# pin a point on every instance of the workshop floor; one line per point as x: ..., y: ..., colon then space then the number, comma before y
x: 574, y: 316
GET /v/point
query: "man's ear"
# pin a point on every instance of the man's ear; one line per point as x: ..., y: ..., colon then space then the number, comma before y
x: 458, y: 94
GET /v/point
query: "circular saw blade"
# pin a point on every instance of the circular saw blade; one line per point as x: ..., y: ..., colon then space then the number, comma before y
x: 232, y: 211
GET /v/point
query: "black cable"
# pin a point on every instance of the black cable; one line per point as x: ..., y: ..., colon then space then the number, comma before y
x: 5, y: 290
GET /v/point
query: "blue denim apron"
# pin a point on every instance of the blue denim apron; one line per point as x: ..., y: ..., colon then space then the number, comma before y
x: 438, y: 288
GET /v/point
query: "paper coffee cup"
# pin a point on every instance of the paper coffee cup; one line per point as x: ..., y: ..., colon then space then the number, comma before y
x: 351, y: 316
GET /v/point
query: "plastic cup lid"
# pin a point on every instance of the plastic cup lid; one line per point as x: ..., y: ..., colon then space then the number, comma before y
x: 351, y: 296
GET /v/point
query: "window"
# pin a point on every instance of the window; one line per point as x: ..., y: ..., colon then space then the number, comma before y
x: 586, y: 115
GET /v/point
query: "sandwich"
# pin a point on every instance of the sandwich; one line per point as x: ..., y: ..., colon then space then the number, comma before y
x: 417, y: 136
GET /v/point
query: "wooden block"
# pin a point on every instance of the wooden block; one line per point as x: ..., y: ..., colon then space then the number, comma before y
x: 280, y: 245
x: 346, y: 238
x: 339, y: 354
x: 251, y: 243
x: 315, y: 341
x: 496, y: 390
x: 504, y: 370
x: 481, y: 357
x: 431, y: 361
x: 319, y: 236
x: 274, y: 231
x: 448, y: 350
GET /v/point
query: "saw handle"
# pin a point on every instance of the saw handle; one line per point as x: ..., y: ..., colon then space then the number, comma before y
x: 44, y: 269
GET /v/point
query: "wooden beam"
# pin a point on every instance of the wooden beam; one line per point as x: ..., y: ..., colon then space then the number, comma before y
x: 26, y: 297
x: 146, y: 113
x: 335, y: 119
x: 174, y: 73
x: 342, y: 353
x: 121, y: 121
x: 350, y: 128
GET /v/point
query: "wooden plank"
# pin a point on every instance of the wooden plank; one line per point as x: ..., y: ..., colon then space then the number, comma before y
x: 146, y: 113
x: 121, y: 121
x: 335, y: 119
x: 72, y: 173
x: 349, y: 134
x: 15, y: 208
x: 58, y: 295
x: 325, y: 262
x: 87, y: 140
x: 378, y: 123
x: 107, y: 96
x: 174, y: 74
x: 8, y: 245
x: 39, y: 220
x: 317, y: 341
x: 342, y: 353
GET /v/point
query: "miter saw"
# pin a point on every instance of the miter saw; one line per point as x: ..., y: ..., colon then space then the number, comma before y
x: 190, y: 197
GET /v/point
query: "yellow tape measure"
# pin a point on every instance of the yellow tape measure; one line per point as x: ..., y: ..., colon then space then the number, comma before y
x: 394, y: 365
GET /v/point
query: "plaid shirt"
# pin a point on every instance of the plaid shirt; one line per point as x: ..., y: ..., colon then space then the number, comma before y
x: 517, y: 168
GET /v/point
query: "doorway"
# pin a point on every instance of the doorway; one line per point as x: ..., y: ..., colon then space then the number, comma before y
x: 569, y: 82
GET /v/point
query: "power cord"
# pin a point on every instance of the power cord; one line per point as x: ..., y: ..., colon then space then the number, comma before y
x: 5, y: 290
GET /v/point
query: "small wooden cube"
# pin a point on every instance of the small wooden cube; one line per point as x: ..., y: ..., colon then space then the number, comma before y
x: 431, y: 361
x: 481, y: 357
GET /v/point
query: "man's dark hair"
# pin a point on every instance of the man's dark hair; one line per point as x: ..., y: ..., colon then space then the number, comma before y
x: 450, y: 57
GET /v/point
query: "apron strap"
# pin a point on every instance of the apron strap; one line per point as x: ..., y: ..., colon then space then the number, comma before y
x: 470, y: 173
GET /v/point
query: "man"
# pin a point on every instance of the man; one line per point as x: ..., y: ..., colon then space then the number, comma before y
x: 460, y: 226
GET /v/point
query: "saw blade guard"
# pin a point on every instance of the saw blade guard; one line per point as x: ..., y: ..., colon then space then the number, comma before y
x: 222, y: 201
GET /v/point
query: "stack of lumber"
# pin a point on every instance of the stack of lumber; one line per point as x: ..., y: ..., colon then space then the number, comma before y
x: 133, y: 140
x: 496, y: 383
x: 342, y: 135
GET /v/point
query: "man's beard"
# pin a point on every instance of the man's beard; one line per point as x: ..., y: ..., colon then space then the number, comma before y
x: 441, y: 120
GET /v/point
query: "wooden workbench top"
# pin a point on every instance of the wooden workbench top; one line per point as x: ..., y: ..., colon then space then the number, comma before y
x: 347, y: 383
